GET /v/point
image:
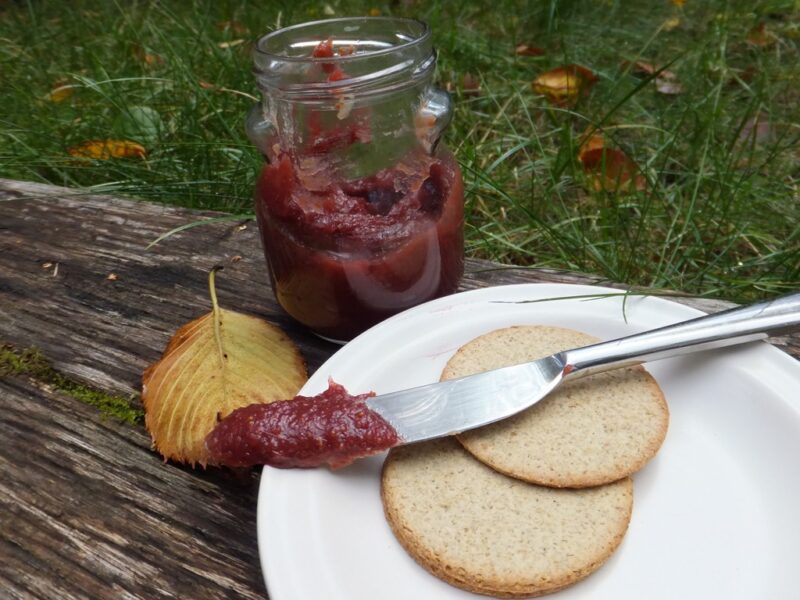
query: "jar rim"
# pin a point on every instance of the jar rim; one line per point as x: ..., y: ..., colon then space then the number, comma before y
x: 424, y: 36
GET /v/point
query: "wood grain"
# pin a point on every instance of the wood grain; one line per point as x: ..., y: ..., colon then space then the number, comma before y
x: 88, y: 511
x: 86, y: 508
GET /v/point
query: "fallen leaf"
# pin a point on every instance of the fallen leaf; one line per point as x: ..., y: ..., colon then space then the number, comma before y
x: 563, y: 86
x: 668, y: 87
x: 374, y: 12
x: 470, y: 85
x: 206, y: 85
x: 756, y: 130
x: 61, y: 91
x: 678, y: 3
x: 742, y: 77
x: 47, y: 265
x: 148, y: 58
x: 219, y: 362
x: 526, y: 50
x: 760, y: 36
x: 640, y: 67
x: 236, y: 258
x: 108, y: 149
x: 230, y: 44
x: 671, y: 24
x: 666, y: 81
x: 112, y: 277
x: 233, y: 25
x: 609, y: 169
x: 592, y: 139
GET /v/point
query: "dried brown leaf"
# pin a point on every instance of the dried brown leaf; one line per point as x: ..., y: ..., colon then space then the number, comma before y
x: 148, y: 58
x: 470, y: 85
x: 217, y: 363
x: 234, y: 26
x: 563, y: 86
x: 609, y: 169
x: 666, y: 81
x: 526, y: 50
x: 756, y: 130
x: 760, y: 36
x: 591, y: 139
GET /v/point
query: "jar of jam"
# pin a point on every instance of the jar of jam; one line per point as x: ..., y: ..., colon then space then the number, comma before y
x: 359, y: 205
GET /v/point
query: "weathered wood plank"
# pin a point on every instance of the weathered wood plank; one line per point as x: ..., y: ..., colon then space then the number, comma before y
x: 107, y: 331
x: 86, y: 508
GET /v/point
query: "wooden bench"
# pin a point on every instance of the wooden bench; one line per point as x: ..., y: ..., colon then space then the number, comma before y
x: 87, y: 510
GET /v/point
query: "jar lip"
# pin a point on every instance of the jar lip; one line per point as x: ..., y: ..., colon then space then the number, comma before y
x: 425, y: 34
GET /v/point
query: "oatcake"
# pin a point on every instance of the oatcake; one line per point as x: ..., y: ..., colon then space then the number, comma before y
x: 587, y: 432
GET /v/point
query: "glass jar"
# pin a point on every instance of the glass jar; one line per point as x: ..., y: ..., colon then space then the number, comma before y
x: 360, y: 207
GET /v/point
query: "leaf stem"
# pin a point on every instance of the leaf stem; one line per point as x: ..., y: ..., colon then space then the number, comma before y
x: 215, y: 312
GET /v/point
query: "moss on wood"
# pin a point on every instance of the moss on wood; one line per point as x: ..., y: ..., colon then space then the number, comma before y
x: 31, y: 363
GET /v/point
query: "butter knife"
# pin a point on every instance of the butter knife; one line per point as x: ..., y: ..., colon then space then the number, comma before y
x: 453, y: 406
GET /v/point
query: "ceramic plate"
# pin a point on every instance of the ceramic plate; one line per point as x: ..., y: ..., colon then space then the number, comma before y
x: 716, y: 512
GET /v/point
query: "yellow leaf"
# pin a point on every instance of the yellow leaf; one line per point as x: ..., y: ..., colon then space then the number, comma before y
x: 564, y: 85
x: 374, y: 12
x: 60, y: 92
x: 678, y: 3
x: 671, y: 23
x: 219, y: 362
x: 108, y: 149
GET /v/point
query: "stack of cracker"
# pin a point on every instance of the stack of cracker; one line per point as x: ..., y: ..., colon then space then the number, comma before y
x: 537, y: 502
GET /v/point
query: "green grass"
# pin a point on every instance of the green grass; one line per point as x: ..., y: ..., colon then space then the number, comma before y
x: 719, y: 216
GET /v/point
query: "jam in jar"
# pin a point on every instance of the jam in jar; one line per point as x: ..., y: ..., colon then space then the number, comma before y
x: 360, y: 207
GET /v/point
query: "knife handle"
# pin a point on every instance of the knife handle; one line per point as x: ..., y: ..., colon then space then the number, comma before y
x: 734, y: 326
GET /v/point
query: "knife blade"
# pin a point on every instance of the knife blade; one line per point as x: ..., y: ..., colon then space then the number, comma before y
x: 453, y: 406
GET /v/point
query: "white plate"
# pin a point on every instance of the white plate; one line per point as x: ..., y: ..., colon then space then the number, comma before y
x: 716, y: 513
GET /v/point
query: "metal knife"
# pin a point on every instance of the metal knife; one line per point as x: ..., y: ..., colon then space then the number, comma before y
x: 453, y: 406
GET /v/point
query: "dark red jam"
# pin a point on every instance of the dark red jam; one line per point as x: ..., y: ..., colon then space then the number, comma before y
x: 344, y: 255
x: 332, y: 428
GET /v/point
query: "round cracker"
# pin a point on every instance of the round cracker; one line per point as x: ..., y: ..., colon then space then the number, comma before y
x: 587, y: 432
x: 487, y: 533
